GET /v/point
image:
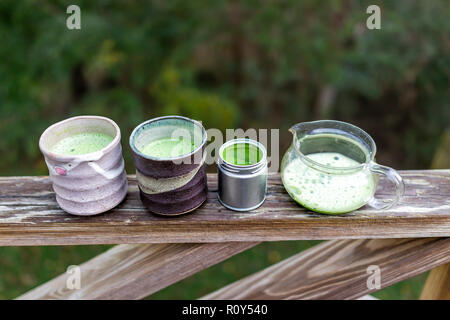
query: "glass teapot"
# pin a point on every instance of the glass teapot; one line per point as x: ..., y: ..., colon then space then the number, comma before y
x: 330, y: 168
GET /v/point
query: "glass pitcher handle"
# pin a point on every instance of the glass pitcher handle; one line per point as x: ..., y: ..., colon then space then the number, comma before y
x: 395, y: 178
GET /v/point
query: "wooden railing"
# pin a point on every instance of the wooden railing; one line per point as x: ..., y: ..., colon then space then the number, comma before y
x: 155, y: 252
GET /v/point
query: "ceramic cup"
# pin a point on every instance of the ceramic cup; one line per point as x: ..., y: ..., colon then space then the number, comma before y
x: 91, y: 183
x: 171, y: 185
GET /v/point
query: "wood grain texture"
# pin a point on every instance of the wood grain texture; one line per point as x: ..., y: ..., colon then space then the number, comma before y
x: 437, y: 286
x: 29, y: 215
x: 338, y: 269
x: 136, y: 271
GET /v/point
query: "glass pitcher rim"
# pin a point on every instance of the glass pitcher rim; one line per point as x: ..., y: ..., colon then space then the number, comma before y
x: 370, y: 153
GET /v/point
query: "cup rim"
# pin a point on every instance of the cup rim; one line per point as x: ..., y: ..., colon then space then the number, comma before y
x: 370, y: 154
x: 61, y: 157
x: 136, y: 151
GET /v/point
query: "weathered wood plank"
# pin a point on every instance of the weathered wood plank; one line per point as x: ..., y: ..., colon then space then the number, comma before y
x: 338, y: 269
x: 437, y: 286
x: 136, y: 271
x: 29, y: 215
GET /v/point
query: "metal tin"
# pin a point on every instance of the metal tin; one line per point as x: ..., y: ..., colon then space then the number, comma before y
x: 242, y: 187
x: 170, y: 186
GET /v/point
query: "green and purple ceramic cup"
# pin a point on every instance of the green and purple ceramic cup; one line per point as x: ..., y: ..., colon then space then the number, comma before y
x: 170, y: 164
x: 84, y: 159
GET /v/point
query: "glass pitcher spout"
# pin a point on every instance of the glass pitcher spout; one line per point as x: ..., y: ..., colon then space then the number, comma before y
x: 300, y: 130
x: 297, y: 131
x: 295, y: 128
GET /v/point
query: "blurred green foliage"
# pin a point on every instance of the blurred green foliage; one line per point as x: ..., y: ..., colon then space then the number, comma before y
x: 23, y: 268
x: 248, y: 63
x: 245, y: 63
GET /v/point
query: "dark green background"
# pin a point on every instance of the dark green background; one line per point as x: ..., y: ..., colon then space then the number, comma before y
x: 232, y: 64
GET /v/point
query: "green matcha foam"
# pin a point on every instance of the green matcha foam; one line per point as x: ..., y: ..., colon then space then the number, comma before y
x: 330, y: 193
x: 242, y: 154
x: 82, y: 143
x: 168, y: 148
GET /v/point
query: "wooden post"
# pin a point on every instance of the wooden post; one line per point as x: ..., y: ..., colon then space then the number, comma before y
x: 437, y: 286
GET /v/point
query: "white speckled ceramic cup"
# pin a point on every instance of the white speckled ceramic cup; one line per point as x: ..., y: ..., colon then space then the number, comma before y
x: 91, y: 183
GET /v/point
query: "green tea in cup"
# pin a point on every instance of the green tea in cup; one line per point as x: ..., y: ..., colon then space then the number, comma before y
x: 84, y: 158
x: 169, y: 156
x: 168, y: 147
x: 82, y: 143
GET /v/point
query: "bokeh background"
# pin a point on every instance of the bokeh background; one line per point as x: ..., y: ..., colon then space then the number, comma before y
x: 232, y: 64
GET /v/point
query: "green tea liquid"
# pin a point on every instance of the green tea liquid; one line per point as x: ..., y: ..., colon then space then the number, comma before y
x: 242, y: 154
x: 331, y: 193
x: 168, y: 148
x: 82, y: 143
